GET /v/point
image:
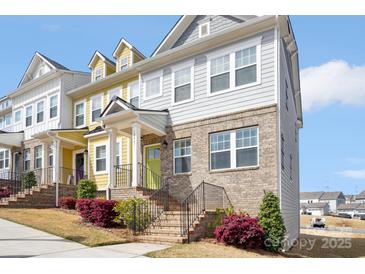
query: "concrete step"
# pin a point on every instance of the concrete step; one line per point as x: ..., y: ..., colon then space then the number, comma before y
x: 162, y: 239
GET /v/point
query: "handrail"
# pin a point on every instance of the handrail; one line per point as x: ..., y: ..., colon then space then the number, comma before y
x: 147, y: 173
x: 204, y: 197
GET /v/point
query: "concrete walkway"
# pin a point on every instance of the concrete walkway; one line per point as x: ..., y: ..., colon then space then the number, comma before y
x: 19, y: 241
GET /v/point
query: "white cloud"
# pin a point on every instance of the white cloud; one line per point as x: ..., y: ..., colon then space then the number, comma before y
x: 353, y: 174
x: 335, y: 81
x: 51, y: 27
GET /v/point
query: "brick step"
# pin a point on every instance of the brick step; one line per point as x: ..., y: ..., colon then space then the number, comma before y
x: 161, y: 239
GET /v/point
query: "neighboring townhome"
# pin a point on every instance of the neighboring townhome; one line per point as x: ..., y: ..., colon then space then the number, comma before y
x: 38, y: 106
x: 219, y: 101
x: 310, y: 197
x: 315, y: 209
x: 5, y: 126
x: 334, y: 199
x: 350, y: 199
x: 352, y: 209
x: 109, y: 80
x: 360, y: 198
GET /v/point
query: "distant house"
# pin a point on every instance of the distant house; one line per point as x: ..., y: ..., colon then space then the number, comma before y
x: 310, y: 197
x: 334, y: 199
x: 352, y: 209
x: 315, y: 209
x: 360, y: 198
x: 350, y: 199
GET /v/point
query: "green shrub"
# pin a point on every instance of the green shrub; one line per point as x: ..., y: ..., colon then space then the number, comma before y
x: 86, y: 189
x: 220, y: 213
x: 29, y: 180
x: 272, y: 222
x: 133, y: 213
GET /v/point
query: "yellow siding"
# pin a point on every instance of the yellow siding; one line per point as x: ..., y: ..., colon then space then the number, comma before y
x: 67, y: 158
x: 125, y: 52
x: 101, y: 180
x: 109, y: 70
x: 76, y: 136
x: 136, y: 58
x: 99, y: 64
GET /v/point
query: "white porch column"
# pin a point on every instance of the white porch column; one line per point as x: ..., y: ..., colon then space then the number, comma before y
x: 112, y: 140
x: 44, y: 163
x: 56, y: 165
x: 136, y: 153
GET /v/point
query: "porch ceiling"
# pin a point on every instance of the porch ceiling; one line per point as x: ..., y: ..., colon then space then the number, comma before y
x: 68, y: 137
x: 11, y: 139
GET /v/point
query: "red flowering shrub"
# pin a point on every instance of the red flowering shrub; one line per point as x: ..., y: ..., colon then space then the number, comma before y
x: 97, y: 211
x: 5, y: 191
x: 241, y: 231
x: 67, y: 203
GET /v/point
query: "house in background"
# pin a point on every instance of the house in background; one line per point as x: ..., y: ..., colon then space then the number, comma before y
x: 350, y: 199
x: 315, y: 209
x: 334, y: 199
x: 360, y: 198
x: 352, y: 209
x: 310, y: 197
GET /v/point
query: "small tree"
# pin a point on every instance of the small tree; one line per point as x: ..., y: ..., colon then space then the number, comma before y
x: 86, y: 189
x: 272, y: 222
x: 29, y: 180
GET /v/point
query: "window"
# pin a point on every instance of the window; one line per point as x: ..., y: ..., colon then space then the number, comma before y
x: 245, y: 66
x: 8, y: 119
x: 50, y: 155
x: 153, y: 87
x: 204, y: 29
x: 17, y: 116
x: 79, y: 114
x: 4, y: 159
x: 182, y: 156
x: 38, y: 157
x: 291, y: 167
x: 96, y: 106
x: 27, y: 159
x: 100, y: 158
x: 117, y: 154
x: 286, y: 95
x: 28, y: 116
x: 2, y: 122
x: 40, y: 112
x: 53, y: 102
x: 134, y: 94
x: 219, y: 73
x: 114, y: 92
x: 234, y: 149
x: 182, y: 85
x: 123, y: 63
x: 282, y: 152
x: 98, y: 74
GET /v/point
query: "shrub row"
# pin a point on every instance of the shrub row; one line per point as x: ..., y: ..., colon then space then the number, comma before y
x: 67, y: 203
x: 5, y: 191
x: 97, y: 211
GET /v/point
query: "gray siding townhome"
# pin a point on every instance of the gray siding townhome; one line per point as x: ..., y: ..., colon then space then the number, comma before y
x: 222, y: 94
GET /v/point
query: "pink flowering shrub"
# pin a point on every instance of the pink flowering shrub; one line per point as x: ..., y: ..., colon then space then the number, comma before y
x: 5, y: 191
x: 241, y: 231
x: 67, y: 203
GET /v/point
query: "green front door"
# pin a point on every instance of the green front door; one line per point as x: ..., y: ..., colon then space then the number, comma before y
x: 153, y: 164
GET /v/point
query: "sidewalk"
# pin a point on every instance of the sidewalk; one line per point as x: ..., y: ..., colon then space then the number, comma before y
x: 19, y: 241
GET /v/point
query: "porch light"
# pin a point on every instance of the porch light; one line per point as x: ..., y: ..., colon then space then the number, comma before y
x: 164, y: 144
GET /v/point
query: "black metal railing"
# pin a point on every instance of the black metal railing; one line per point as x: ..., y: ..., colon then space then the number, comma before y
x: 123, y: 175
x: 11, y: 183
x: 205, y: 197
x: 148, y: 178
x: 146, y: 212
x: 69, y: 176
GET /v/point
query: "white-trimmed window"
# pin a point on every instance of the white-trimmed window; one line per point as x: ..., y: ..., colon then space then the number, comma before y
x: 245, y: 66
x: 38, y: 157
x: 219, y: 73
x: 153, y: 87
x: 50, y: 155
x: 4, y: 159
x: 204, y: 29
x: 96, y: 107
x: 26, y: 156
x: 133, y: 89
x: 80, y: 114
x: 2, y: 152
x: 8, y: 119
x: 123, y: 63
x: 53, y: 106
x: 17, y: 116
x: 182, y: 156
x: 113, y: 92
x: 182, y: 85
x: 100, y: 158
x: 117, y: 154
x: 234, y: 149
x: 40, y: 112
x: 98, y: 74
x: 28, y: 116
x: 2, y: 122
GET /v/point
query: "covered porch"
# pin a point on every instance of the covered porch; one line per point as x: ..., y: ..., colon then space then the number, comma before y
x: 144, y: 168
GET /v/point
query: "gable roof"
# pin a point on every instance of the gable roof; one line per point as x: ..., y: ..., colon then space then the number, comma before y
x: 98, y: 54
x: 122, y: 42
x: 332, y: 195
x: 311, y: 195
x: 348, y: 206
x: 314, y: 205
x: 178, y: 29
x: 40, y: 57
x: 361, y: 195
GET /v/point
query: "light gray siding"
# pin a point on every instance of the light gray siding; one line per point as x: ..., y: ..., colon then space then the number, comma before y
x: 158, y: 121
x: 289, y: 185
x: 217, y: 23
x: 232, y: 101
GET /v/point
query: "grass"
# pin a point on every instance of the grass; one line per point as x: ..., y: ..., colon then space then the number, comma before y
x: 66, y: 224
x: 206, y: 249
x: 335, y: 221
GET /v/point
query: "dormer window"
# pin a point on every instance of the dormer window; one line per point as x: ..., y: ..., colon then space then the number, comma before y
x: 123, y: 63
x: 98, y: 74
x: 204, y: 29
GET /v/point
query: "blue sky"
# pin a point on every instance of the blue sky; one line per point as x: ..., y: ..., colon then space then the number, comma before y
x: 332, y: 152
